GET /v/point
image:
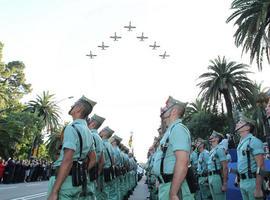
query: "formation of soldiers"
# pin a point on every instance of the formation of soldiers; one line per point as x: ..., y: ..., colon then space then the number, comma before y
x: 91, y: 164
x: 178, y: 168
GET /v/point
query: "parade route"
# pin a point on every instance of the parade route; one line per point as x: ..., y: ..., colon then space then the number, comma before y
x: 141, y: 191
x: 24, y: 191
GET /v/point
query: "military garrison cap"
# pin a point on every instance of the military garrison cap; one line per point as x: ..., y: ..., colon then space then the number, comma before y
x: 108, y: 130
x: 217, y: 134
x: 98, y: 119
x: 88, y: 101
x: 247, y: 120
x: 171, y: 101
x: 115, y: 137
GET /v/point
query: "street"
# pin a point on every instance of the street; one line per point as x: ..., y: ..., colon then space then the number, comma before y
x: 38, y: 190
x: 24, y: 191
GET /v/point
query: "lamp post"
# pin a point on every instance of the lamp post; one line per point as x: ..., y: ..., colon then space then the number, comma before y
x: 70, y: 97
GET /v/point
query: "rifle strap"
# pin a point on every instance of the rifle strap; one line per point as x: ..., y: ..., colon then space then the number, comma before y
x: 80, y: 139
x: 109, y: 155
x: 248, y: 158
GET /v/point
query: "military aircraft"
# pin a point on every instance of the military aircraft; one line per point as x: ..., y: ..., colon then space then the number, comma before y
x: 129, y: 27
x: 91, y: 55
x: 163, y: 56
x: 154, y: 46
x: 103, y: 47
x: 142, y: 37
x: 115, y: 37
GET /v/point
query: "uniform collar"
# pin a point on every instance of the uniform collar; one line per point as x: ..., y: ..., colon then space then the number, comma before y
x: 243, y: 140
x: 175, y: 122
x: 80, y: 121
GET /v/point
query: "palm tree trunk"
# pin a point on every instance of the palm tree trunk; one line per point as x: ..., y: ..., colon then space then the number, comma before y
x: 228, y: 102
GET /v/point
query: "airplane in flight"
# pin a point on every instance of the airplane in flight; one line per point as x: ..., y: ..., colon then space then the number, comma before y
x: 103, y: 47
x: 142, y: 37
x: 129, y: 27
x: 163, y: 56
x: 91, y: 55
x: 115, y: 37
x: 154, y: 46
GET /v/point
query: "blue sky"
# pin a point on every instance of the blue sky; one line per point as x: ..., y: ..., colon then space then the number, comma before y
x: 128, y: 80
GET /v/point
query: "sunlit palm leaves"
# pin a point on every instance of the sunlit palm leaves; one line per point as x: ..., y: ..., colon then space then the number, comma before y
x: 228, y: 81
x: 253, y: 32
x: 47, y: 109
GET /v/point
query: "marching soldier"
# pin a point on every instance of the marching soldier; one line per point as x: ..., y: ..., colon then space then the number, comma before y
x: 194, y: 163
x: 250, y: 160
x: 217, y: 168
x: 172, y: 159
x: 108, y: 192
x: 118, y: 163
x: 202, y: 171
x: 93, y: 124
x: 76, y: 145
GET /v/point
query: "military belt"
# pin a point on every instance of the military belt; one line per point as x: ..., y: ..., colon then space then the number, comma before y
x: 166, y: 178
x: 214, y: 172
x: 203, y: 175
x: 247, y: 176
x: 55, y: 171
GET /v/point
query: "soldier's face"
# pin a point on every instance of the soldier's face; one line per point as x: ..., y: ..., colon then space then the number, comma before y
x: 267, y: 109
x: 241, y: 126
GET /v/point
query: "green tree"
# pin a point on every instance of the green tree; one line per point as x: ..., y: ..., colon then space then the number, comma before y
x: 193, y: 108
x: 253, y: 32
x: 203, y: 123
x: 228, y: 81
x: 17, y: 130
x: 46, y: 108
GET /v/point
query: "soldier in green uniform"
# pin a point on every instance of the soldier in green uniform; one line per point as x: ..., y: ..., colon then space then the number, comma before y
x: 127, y: 175
x: 217, y: 168
x: 202, y: 171
x: 116, y: 140
x: 172, y: 159
x: 72, y: 152
x: 194, y: 163
x: 250, y: 155
x: 151, y: 177
x: 123, y: 173
x: 108, y: 192
x: 93, y: 124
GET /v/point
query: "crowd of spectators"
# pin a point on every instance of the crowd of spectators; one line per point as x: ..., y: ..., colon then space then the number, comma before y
x: 18, y: 171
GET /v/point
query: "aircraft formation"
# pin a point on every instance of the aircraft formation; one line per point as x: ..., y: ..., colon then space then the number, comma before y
x: 141, y: 38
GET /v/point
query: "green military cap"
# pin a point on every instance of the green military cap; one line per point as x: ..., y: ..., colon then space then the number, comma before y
x: 247, y: 120
x: 204, y: 142
x: 88, y: 101
x: 98, y: 118
x: 115, y: 137
x: 171, y: 101
x: 108, y: 130
x: 217, y: 134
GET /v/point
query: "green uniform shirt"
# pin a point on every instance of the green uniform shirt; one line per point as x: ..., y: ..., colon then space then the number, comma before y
x: 217, y: 155
x: 117, y: 155
x: 202, y: 162
x: 98, y: 143
x: 71, y: 140
x: 108, y: 149
x: 256, y: 148
x: 179, y: 140
x: 194, y: 159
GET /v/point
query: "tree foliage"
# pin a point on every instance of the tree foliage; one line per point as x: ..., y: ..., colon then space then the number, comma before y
x: 253, y: 32
x: 226, y: 81
x: 203, y: 123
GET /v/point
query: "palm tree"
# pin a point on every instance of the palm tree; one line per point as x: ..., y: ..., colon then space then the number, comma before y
x: 228, y: 81
x: 194, y: 107
x: 47, y: 109
x: 260, y: 100
x: 253, y: 32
